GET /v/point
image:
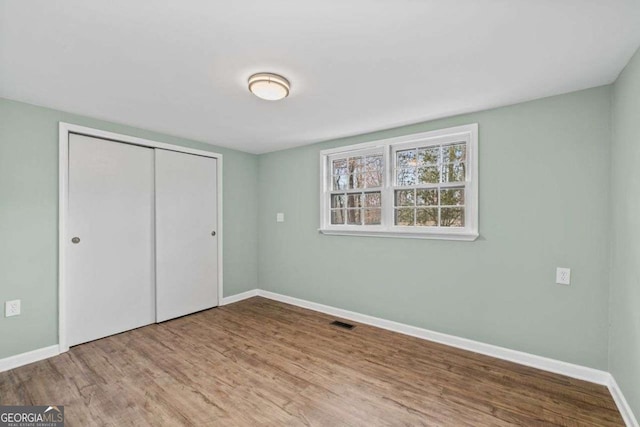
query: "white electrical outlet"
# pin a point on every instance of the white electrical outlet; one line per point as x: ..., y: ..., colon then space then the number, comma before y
x: 563, y: 276
x: 280, y: 217
x: 12, y: 308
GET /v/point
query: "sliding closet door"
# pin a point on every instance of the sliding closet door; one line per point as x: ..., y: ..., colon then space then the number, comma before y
x: 186, y: 240
x: 110, y: 252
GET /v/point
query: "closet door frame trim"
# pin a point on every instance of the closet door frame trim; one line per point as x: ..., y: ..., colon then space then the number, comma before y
x: 65, y: 129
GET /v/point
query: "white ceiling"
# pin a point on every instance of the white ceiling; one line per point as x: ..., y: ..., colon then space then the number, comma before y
x: 180, y: 67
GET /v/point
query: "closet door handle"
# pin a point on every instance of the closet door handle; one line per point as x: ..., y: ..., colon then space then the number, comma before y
x: 213, y: 233
x: 75, y: 240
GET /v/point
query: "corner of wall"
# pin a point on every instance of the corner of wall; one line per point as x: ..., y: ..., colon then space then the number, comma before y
x: 611, y: 225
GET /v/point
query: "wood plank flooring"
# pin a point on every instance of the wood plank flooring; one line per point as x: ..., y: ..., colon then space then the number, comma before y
x: 260, y: 362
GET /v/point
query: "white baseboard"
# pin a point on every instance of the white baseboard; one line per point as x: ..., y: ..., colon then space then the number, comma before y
x: 54, y: 350
x: 28, y: 357
x: 239, y: 297
x: 622, y: 404
x: 544, y: 363
x: 522, y: 358
x: 539, y: 362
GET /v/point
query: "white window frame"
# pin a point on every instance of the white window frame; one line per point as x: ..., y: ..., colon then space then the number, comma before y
x: 388, y: 147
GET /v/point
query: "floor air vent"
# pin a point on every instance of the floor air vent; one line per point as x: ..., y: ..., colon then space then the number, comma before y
x: 342, y: 324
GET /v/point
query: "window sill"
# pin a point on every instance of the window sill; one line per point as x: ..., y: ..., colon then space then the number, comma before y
x: 464, y: 236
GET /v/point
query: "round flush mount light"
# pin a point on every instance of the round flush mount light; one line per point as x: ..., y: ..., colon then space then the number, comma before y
x: 271, y: 87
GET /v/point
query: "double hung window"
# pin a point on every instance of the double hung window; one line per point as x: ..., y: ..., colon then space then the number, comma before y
x: 423, y: 186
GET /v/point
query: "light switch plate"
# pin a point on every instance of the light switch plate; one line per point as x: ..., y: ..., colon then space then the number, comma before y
x: 280, y: 217
x: 12, y: 308
x: 563, y: 276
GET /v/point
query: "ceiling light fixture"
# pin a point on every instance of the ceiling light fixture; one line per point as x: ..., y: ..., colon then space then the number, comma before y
x: 271, y: 87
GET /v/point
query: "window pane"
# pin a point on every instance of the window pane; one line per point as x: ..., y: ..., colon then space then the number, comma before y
x: 354, y: 200
x: 373, y: 179
x: 356, y: 181
x: 428, y: 178
x: 453, y: 173
x: 452, y: 217
x: 428, y: 175
x: 337, y: 216
x: 452, y: 196
x: 356, y: 165
x: 427, y: 217
x: 404, y: 216
x: 428, y: 156
x: 339, y: 167
x: 406, y: 158
x: 427, y: 197
x: 374, y: 163
x: 454, y: 153
x: 372, y: 216
x: 340, y: 182
x: 354, y: 217
x: 372, y: 199
x: 338, y: 200
x: 406, y: 176
x: 405, y: 198
x: 374, y: 171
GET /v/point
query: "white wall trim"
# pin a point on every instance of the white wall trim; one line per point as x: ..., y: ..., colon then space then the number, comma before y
x: 22, y: 359
x: 522, y: 358
x: 387, y: 148
x: 239, y: 297
x: 465, y: 237
x: 622, y: 404
x: 539, y: 362
x: 544, y: 363
x: 64, y: 130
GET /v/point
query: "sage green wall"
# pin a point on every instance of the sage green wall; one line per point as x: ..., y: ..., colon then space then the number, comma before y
x: 624, y: 344
x: 544, y: 203
x: 544, y: 182
x: 29, y: 218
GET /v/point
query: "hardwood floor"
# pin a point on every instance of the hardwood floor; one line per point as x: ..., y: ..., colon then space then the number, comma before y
x: 260, y: 362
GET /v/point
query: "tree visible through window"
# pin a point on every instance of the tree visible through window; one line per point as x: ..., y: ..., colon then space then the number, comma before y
x: 356, y: 197
x: 432, y: 179
x: 413, y: 186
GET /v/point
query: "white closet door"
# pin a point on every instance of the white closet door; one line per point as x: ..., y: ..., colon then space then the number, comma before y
x: 186, y: 240
x: 110, y: 270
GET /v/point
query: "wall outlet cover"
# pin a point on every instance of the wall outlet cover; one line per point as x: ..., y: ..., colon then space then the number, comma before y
x: 12, y: 308
x: 280, y: 217
x: 563, y: 276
